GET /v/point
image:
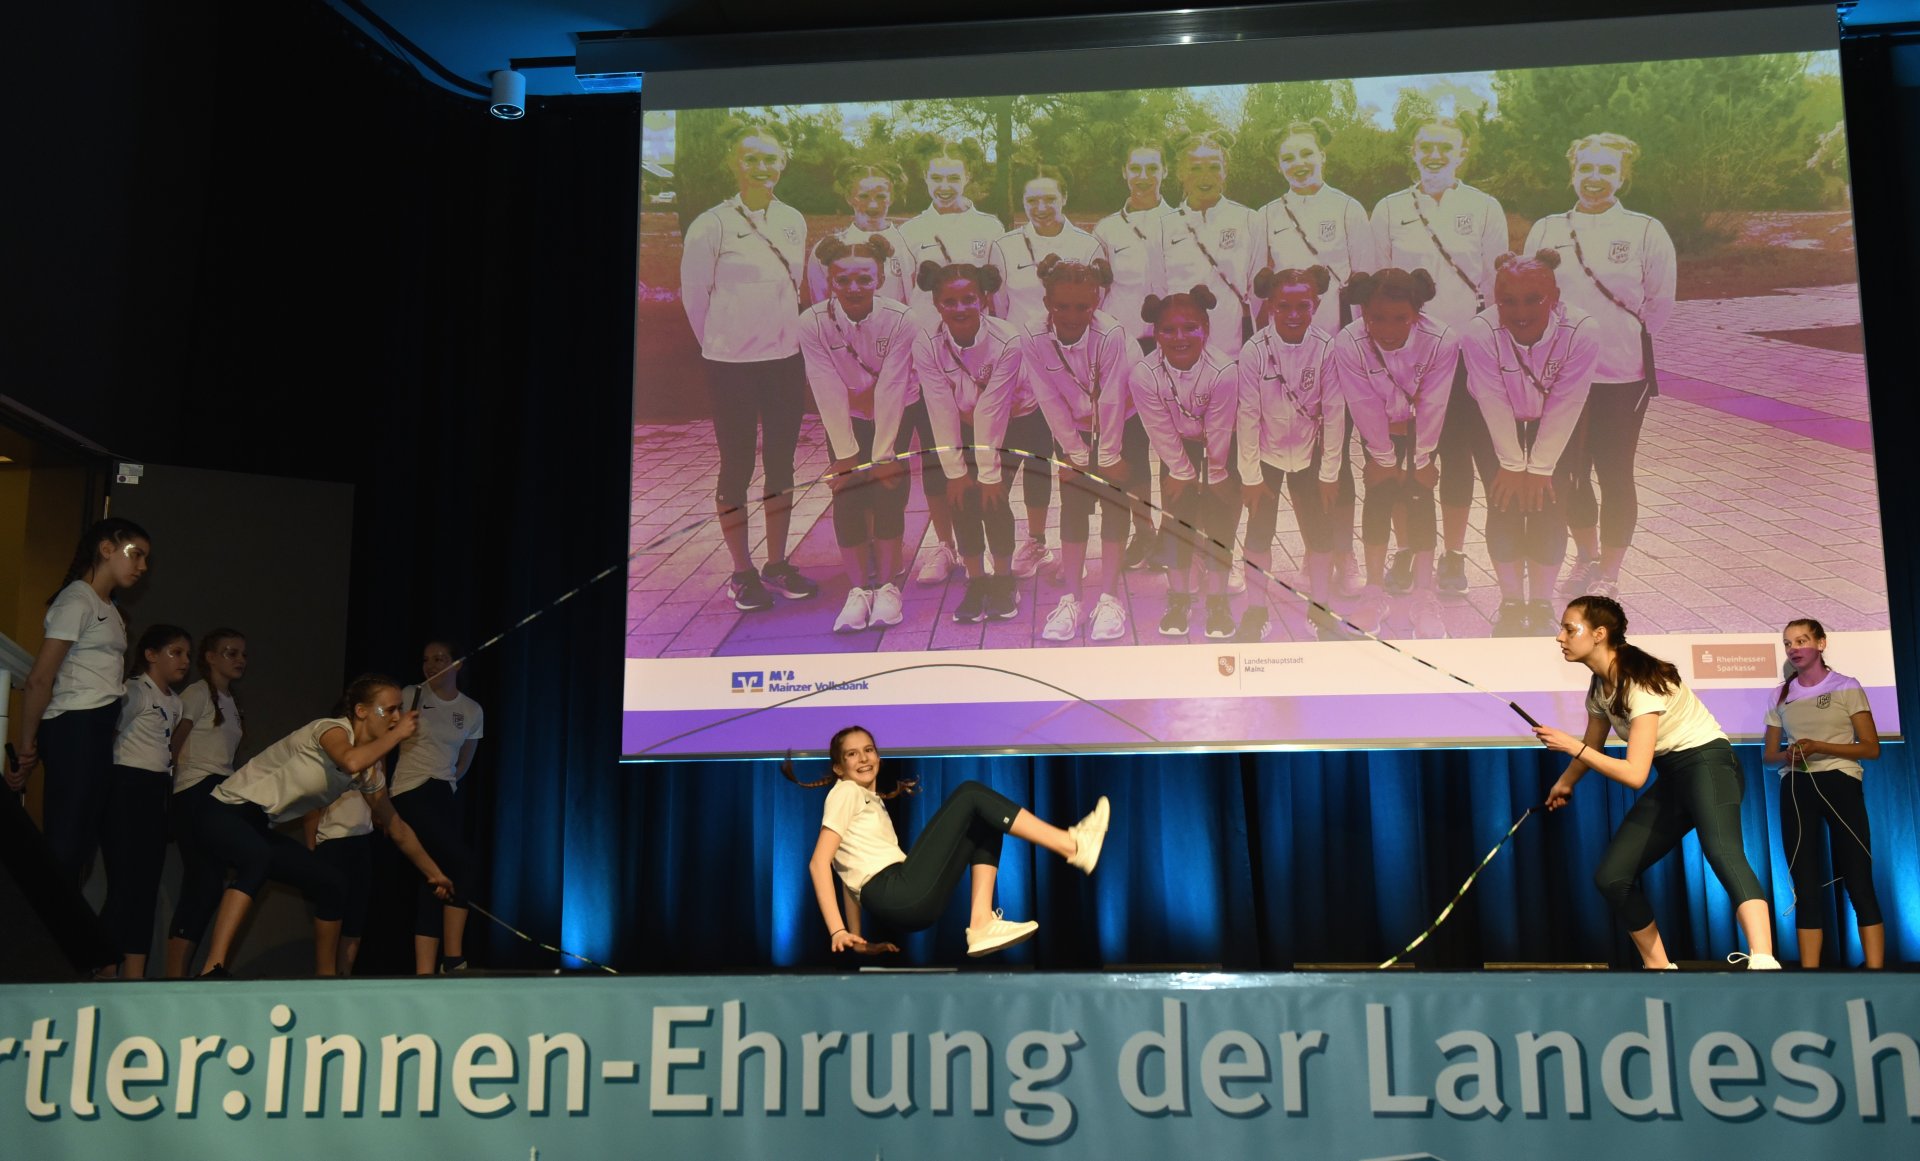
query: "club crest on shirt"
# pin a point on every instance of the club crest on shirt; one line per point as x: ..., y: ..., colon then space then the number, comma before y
x: 1619, y: 251
x: 1826, y: 699
x: 1226, y: 666
x: 979, y: 247
x: 792, y: 234
x: 1327, y: 226
x: 1463, y: 224
x: 1307, y: 378
x: 459, y: 720
x: 893, y: 265
x: 1552, y: 372
x: 880, y: 346
x: 1229, y: 238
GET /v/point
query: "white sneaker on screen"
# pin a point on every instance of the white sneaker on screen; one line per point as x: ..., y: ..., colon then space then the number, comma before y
x: 1424, y: 608
x: 855, y: 614
x: 1028, y: 558
x: 1063, y: 624
x: 1348, y: 577
x: 1237, y: 575
x: 1109, y: 620
x: 998, y: 934
x: 940, y: 563
x: 887, y: 609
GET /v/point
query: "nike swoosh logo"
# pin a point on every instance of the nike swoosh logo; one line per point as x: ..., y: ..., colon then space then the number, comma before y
x: 1407, y: 222
x: 740, y: 235
x: 101, y: 618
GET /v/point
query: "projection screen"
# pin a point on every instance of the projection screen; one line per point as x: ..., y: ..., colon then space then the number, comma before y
x: 1698, y: 443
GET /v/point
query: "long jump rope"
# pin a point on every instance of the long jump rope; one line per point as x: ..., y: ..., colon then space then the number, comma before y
x: 1201, y: 537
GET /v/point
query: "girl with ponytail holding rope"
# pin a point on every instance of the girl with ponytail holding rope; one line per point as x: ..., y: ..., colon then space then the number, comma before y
x: 858, y: 349
x: 968, y: 369
x: 1823, y: 719
x: 209, y: 734
x: 1394, y: 366
x: 1291, y: 424
x: 1188, y: 397
x: 908, y: 890
x: 868, y: 188
x: 1076, y: 368
x: 308, y: 770
x: 133, y: 839
x: 1699, y: 788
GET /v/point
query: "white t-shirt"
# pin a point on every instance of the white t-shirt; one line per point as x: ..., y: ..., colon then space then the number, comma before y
x: 1632, y: 256
x: 1221, y: 247
x: 91, y: 674
x: 1684, y: 721
x: 144, y: 737
x: 1823, y: 712
x: 1324, y: 228
x: 348, y: 816
x: 868, y: 844
x: 1455, y: 238
x: 1021, y: 299
x: 740, y: 276
x: 434, y: 750
x: 295, y: 775
x: 210, y: 749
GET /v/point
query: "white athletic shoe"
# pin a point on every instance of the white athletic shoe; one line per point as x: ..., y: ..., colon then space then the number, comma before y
x: 1759, y: 961
x: 1601, y: 587
x: 998, y: 934
x: 1425, y: 611
x: 1348, y: 577
x: 887, y: 609
x: 1237, y: 575
x: 1028, y: 558
x: 1088, y: 835
x: 1367, y: 610
x: 1063, y: 624
x: 855, y: 614
x: 939, y: 566
x: 1109, y: 619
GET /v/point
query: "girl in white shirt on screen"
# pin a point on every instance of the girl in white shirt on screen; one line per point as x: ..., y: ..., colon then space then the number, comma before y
x: 304, y: 771
x: 908, y: 890
x: 1188, y: 399
x: 1394, y: 366
x: 1530, y: 365
x: 1076, y: 366
x: 1130, y: 235
x: 133, y: 834
x: 1826, y: 725
x: 207, y: 739
x: 428, y: 772
x: 1641, y: 698
x: 868, y: 187
x: 741, y: 269
x: 1453, y: 231
x: 70, y: 705
x: 1210, y: 240
x: 968, y: 368
x: 859, y: 353
x: 1018, y: 254
x: 1618, y: 266
x: 1291, y: 422
x: 950, y: 230
x: 1313, y: 224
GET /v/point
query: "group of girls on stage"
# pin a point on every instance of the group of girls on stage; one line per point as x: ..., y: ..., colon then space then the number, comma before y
x: 1538, y: 394
x: 135, y: 754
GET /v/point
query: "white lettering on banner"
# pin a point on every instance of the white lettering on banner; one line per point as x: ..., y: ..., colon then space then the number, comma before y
x: 1216, y: 1070
x: 1867, y: 1050
x: 1532, y: 1050
x: 318, y: 1049
x: 1706, y: 1075
x: 193, y: 1050
x: 1295, y: 1047
x: 85, y: 1036
x: 39, y: 1046
x: 540, y: 1050
x: 733, y: 1050
x: 1654, y: 1045
x: 426, y: 1054
x: 1786, y: 1062
x: 1380, y: 1069
x: 468, y: 1070
x: 1170, y: 1043
x: 814, y: 1047
x: 941, y: 1047
x: 1056, y: 1059
x: 899, y: 1096
x: 1482, y: 1068
x: 120, y: 1073
x: 666, y: 1058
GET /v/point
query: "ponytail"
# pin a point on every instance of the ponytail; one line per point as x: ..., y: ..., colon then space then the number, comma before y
x: 208, y: 644
x: 1632, y: 665
x: 113, y: 530
x: 1814, y: 627
x: 902, y: 786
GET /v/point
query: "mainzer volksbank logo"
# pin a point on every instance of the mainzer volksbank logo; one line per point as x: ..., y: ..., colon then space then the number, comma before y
x: 749, y: 681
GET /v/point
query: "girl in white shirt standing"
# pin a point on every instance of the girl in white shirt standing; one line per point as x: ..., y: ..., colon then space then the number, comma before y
x: 1453, y: 231
x: 1618, y: 266
x: 71, y: 702
x: 1076, y: 366
x: 1188, y: 398
x: 741, y: 269
x: 427, y: 775
x: 968, y: 368
x: 304, y: 771
x: 909, y: 890
x: 1394, y: 366
x: 1291, y: 426
x: 133, y: 837
x: 1210, y: 240
x: 1313, y: 224
x: 868, y: 187
x: 949, y: 231
x: 858, y: 349
x: 1530, y: 365
x: 209, y: 736
x: 1641, y: 698
x: 1826, y: 725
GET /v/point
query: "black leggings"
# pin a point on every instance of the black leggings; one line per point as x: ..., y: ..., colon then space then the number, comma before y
x: 434, y: 812
x: 202, y: 878
x: 77, y: 749
x: 238, y: 835
x: 1513, y: 535
x: 1205, y: 517
x: 133, y: 848
x: 1030, y: 433
x: 352, y: 859
x: 752, y: 400
x: 1697, y: 789
x: 864, y: 509
x: 1317, y: 525
x: 1831, y: 801
x: 1608, y: 441
x: 976, y: 527
x: 1465, y: 446
x: 965, y: 831
x: 1376, y: 513
x: 53, y: 895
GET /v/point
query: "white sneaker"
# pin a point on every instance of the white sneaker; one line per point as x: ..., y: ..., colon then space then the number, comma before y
x: 1063, y: 624
x: 1109, y: 619
x: 998, y: 934
x: 1367, y: 610
x: 1425, y: 611
x: 1088, y: 835
x: 1237, y: 575
x: 939, y: 565
x: 1602, y: 587
x: 1348, y: 577
x: 887, y: 609
x: 1028, y: 558
x: 855, y: 614
x: 1759, y: 961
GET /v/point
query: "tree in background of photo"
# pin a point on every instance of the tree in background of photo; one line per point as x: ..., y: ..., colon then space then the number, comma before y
x: 700, y: 173
x: 1001, y: 120
x: 1086, y: 136
x: 1718, y: 136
